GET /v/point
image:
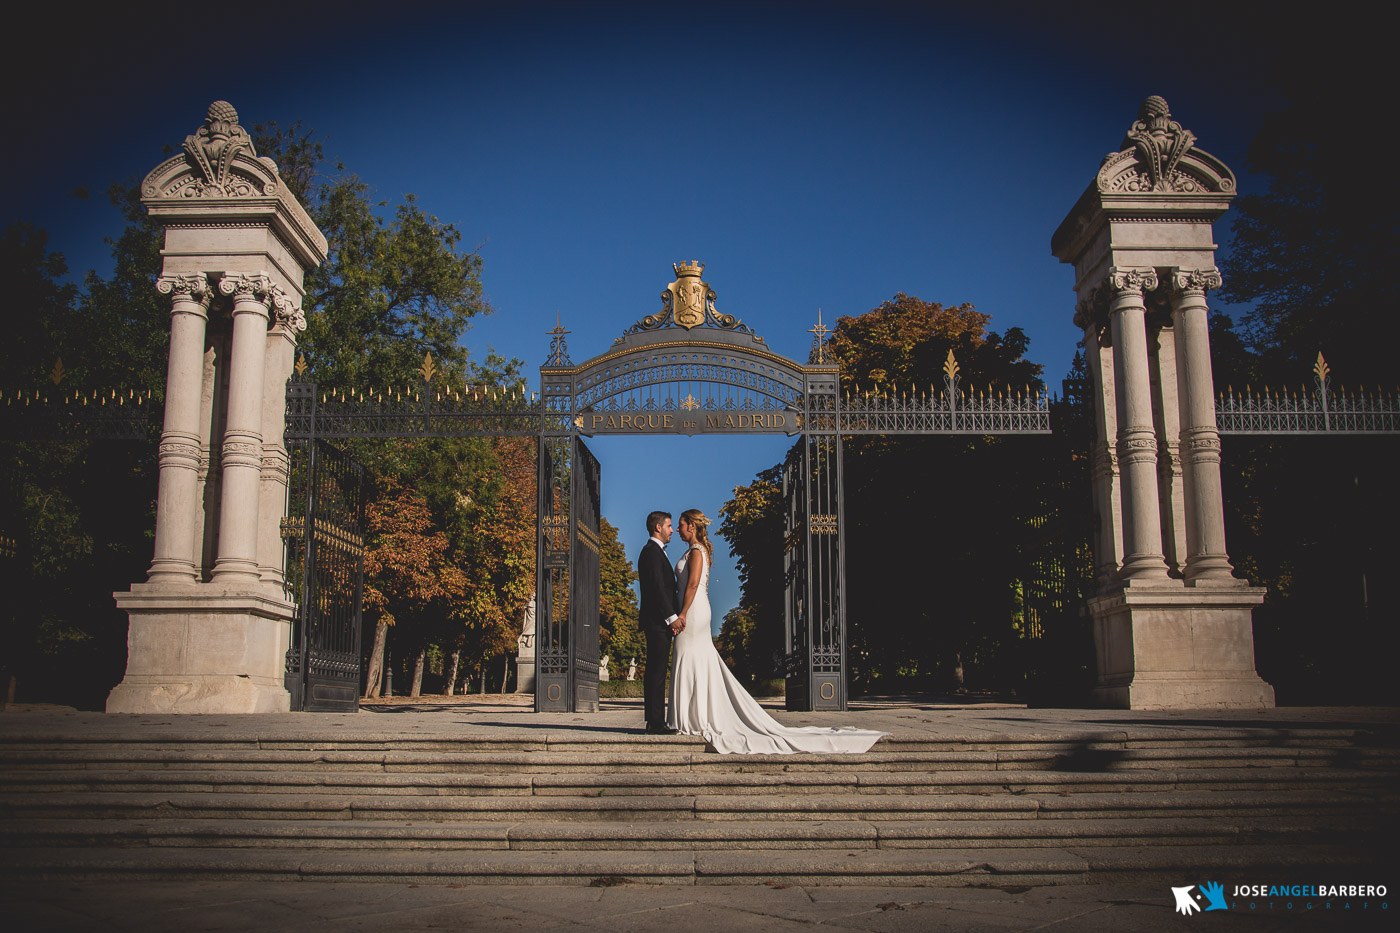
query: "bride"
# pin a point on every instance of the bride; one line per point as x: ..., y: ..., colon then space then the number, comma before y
x: 706, y: 698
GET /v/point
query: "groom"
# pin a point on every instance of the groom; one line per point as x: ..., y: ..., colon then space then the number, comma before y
x: 660, y: 618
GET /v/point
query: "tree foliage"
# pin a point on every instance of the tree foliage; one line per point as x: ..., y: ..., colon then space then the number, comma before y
x: 620, y: 637
x: 397, y: 284
x: 955, y: 547
x: 1310, y: 517
x: 1315, y: 253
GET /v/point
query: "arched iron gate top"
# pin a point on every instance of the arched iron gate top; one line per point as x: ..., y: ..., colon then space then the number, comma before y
x: 687, y: 368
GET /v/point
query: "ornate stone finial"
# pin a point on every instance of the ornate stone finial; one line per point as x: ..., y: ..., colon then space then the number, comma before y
x: 212, y: 147
x: 1159, y: 142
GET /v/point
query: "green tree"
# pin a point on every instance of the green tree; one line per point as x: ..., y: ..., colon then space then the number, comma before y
x: 752, y: 523
x: 1314, y: 253
x: 620, y: 637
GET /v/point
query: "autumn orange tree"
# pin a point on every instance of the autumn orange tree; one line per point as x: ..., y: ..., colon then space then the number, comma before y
x: 410, y: 577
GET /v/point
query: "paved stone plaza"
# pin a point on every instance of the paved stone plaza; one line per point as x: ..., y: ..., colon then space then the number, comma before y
x: 181, y: 907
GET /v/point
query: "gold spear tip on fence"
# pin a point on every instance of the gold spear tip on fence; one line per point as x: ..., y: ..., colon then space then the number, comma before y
x: 1320, y: 368
x: 950, y: 366
x: 428, y: 367
x: 57, y: 373
x: 301, y: 367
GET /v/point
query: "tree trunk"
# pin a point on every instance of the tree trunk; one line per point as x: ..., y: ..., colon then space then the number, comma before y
x: 452, y: 677
x: 374, y: 678
x: 505, y: 671
x: 418, y: 673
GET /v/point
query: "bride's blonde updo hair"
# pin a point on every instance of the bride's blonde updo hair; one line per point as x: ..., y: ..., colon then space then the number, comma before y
x: 697, y: 520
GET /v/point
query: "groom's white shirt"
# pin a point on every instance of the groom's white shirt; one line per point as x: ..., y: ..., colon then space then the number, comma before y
x: 661, y: 544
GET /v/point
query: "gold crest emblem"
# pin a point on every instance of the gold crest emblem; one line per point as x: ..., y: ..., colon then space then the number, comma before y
x: 690, y: 297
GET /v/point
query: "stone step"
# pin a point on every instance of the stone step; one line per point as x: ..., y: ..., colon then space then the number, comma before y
x: 694, y: 782
x: 687, y: 759
x: 720, y: 806
x: 693, y: 834
x: 884, y: 867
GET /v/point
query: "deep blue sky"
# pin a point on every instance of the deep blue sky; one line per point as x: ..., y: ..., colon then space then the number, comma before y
x: 813, y: 155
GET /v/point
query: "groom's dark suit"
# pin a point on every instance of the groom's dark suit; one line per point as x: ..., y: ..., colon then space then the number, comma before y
x: 659, y: 603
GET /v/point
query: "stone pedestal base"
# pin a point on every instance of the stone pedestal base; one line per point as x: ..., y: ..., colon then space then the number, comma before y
x: 204, y: 648
x: 1178, y: 647
x: 525, y: 675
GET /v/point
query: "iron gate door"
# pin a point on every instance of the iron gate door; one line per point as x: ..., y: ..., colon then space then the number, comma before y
x: 566, y: 604
x: 584, y: 579
x: 325, y: 575
x: 814, y: 575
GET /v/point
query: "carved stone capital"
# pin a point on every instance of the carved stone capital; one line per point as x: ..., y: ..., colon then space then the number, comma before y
x: 256, y: 287
x: 285, y: 312
x: 1132, y: 280
x: 190, y: 287
x: 1195, y: 279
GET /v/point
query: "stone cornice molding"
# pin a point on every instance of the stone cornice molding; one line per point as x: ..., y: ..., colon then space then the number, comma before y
x: 219, y: 178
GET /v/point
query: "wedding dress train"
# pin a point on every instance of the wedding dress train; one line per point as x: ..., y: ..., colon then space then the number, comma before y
x: 708, y: 700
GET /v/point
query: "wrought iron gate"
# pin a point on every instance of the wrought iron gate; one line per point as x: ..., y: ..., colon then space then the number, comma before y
x: 815, y: 666
x: 566, y: 605
x: 324, y: 535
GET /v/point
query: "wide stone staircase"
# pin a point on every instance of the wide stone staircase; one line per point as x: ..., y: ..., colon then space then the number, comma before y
x: 572, y: 806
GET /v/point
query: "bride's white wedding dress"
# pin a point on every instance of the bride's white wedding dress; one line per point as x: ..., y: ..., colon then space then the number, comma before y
x: 707, y: 700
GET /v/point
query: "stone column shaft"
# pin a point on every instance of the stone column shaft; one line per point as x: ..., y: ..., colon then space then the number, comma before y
x: 1200, y: 439
x: 276, y: 465
x: 1108, y: 536
x: 177, y: 499
x: 1137, y: 440
x: 241, y: 454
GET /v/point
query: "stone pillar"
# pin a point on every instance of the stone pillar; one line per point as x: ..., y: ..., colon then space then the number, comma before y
x: 241, y: 454
x: 1143, y: 562
x: 1206, y: 558
x: 1108, y: 530
x: 177, y: 501
x: 1161, y: 642
x: 220, y: 646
